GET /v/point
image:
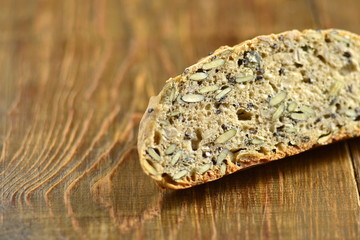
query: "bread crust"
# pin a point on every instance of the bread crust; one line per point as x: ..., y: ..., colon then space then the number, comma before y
x: 147, y: 123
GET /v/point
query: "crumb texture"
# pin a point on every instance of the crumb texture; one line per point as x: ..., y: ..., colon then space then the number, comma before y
x: 261, y: 100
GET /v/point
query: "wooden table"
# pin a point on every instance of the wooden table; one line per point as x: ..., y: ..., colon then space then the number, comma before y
x: 76, y: 77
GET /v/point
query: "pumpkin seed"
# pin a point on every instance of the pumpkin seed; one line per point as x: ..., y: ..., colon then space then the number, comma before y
x: 213, y: 64
x: 208, y: 89
x: 257, y: 141
x: 192, y: 98
x: 299, y: 116
x: 170, y: 149
x: 198, y: 76
x: 176, y: 157
x: 324, y: 138
x: 223, y: 154
x: 226, y: 136
x: 173, y: 114
x: 154, y: 154
x: 309, y: 111
x: 180, y: 174
x: 278, y: 98
x: 245, y: 78
x: 292, y: 106
x: 149, y: 168
x: 278, y: 112
x: 164, y: 122
x: 223, y: 169
x: 223, y: 93
x: 204, y: 168
x: 172, y: 96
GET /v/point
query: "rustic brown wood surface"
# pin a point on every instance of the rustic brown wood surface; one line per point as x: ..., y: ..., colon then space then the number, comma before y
x: 76, y: 77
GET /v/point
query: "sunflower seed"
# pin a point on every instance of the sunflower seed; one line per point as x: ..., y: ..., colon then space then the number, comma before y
x: 324, y: 138
x: 180, y: 174
x: 149, y: 168
x: 208, y: 89
x: 297, y: 56
x: 213, y: 64
x: 176, y: 157
x: 289, y: 128
x: 292, y: 107
x: 226, y: 52
x: 339, y: 38
x: 309, y: 111
x: 223, y: 169
x: 245, y: 78
x: 204, y: 168
x: 223, y: 93
x: 154, y: 154
x: 179, y: 99
x: 226, y: 136
x: 170, y: 149
x: 351, y: 113
x: 278, y: 98
x: 172, y: 94
x: 335, y: 88
x: 278, y: 112
x: 299, y: 116
x: 191, y: 98
x: 164, y: 122
x: 223, y: 154
x: 314, y: 35
x: 198, y: 76
x: 257, y: 141
x: 173, y: 114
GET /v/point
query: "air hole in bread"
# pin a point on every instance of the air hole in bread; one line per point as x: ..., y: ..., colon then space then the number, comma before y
x: 348, y: 68
x: 243, y: 115
x: 196, y: 141
x: 157, y: 137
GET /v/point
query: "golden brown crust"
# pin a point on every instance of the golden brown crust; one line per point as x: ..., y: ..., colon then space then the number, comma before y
x: 147, y: 124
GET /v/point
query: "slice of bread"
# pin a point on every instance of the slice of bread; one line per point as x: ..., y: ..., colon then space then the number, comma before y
x: 264, y: 99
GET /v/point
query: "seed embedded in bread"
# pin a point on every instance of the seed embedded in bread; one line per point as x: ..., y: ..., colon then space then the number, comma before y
x: 223, y: 93
x: 154, y: 154
x: 213, y: 64
x: 278, y: 111
x: 245, y: 78
x: 299, y: 116
x: 192, y: 98
x: 278, y: 98
x: 226, y: 136
x: 270, y: 97
x: 180, y: 174
x: 207, y: 89
x: 292, y: 106
x: 223, y: 154
x: 203, y: 169
x: 170, y: 149
x: 198, y: 76
x: 324, y: 138
x: 176, y: 157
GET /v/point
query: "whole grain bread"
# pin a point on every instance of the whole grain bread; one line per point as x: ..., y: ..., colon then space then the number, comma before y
x: 261, y: 100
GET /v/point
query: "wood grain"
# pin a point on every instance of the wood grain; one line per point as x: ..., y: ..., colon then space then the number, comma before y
x: 76, y: 78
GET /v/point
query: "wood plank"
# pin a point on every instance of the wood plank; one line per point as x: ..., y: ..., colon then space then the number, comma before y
x: 355, y: 155
x: 75, y: 81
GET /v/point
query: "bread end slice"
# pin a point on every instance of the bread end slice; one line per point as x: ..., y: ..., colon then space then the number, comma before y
x: 261, y: 100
